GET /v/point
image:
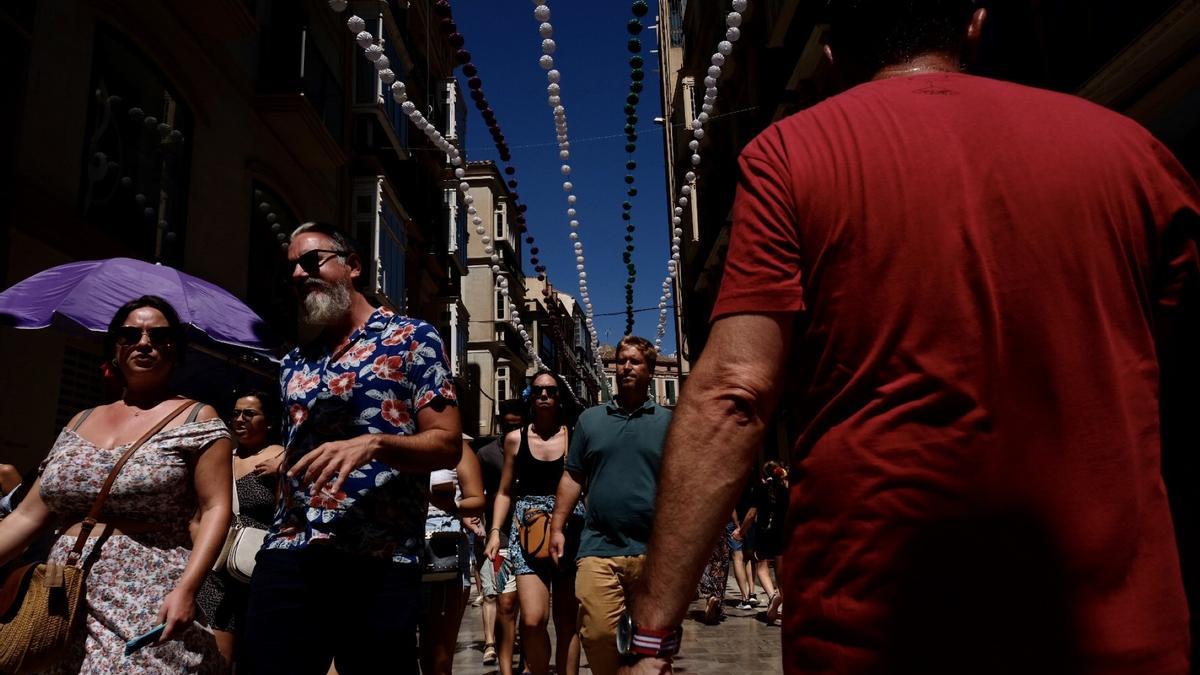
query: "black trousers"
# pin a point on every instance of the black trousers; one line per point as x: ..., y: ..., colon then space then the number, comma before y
x: 313, y: 606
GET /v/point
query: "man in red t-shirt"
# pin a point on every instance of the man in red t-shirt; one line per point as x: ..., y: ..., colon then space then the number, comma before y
x: 980, y: 269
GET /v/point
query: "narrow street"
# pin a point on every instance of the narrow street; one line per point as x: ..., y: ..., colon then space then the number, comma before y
x: 743, y: 643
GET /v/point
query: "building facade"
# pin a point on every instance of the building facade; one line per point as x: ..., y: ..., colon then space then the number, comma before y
x: 497, y: 364
x: 198, y: 135
x: 557, y: 325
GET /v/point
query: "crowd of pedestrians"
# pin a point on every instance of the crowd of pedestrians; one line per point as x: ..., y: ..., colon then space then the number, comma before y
x: 977, y: 481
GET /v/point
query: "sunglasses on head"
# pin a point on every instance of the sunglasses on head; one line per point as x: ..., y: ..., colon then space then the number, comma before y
x: 159, y: 335
x: 311, y: 261
x: 538, y: 390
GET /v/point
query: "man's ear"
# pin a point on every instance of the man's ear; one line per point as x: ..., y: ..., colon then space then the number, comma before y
x: 355, y: 264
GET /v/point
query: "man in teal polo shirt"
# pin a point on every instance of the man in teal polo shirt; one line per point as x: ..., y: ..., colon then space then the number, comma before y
x: 615, y: 453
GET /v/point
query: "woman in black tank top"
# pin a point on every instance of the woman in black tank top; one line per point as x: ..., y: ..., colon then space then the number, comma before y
x: 534, y: 461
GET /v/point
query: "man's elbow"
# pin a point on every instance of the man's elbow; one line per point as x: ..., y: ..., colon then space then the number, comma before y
x: 448, y: 450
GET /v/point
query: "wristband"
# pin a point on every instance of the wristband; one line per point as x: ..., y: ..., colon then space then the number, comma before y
x: 634, y: 640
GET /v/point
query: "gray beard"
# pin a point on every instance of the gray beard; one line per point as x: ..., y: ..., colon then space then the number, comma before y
x: 326, y: 304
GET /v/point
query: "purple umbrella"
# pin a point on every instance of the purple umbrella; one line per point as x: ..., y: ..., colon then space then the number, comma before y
x: 88, y: 293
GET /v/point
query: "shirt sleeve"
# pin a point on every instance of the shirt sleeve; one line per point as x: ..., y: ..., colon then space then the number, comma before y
x: 763, y: 267
x: 429, y: 372
x: 1178, y: 214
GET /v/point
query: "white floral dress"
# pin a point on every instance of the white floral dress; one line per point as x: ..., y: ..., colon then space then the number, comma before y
x: 129, y: 576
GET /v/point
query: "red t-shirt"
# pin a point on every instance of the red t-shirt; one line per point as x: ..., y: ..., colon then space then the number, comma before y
x: 977, y: 265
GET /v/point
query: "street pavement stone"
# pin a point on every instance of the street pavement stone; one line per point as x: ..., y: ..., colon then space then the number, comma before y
x: 741, y: 644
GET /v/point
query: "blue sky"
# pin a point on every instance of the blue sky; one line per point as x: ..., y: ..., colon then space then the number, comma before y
x: 591, y: 37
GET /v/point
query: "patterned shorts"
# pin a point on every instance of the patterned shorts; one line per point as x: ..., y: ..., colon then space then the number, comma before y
x: 544, y: 569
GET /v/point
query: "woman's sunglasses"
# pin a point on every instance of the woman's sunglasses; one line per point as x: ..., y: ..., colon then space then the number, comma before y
x: 159, y: 335
x: 311, y: 261
x: 248, y: 413
x: 537, y: 390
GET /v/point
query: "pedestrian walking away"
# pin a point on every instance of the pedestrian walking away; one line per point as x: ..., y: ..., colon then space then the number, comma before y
x: 982, y: 270
x: 370, y: 410
x: 615, y: 455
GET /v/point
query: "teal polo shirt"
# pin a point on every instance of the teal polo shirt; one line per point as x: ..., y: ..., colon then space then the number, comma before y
x: 616, y: 455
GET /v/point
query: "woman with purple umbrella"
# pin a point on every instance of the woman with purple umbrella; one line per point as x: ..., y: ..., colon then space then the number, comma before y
x: 144, y: 568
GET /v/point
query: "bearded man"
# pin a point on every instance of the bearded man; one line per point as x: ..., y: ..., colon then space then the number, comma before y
x: 370, y: 411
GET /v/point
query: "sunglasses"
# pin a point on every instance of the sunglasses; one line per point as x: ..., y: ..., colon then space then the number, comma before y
x: 248, y: 413
x: 311, y: 261
x: 132, y: 335
x: 537, y: 390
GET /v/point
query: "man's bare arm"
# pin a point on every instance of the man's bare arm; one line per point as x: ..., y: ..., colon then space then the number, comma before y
x: 436, y: 445
x: 569, y: 490
x: 714, y: 436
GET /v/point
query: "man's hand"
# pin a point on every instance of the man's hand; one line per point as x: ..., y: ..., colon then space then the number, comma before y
x: 647, y: 666
x: 558, y: 544
x: 736, y: 534
x: 335, y: 457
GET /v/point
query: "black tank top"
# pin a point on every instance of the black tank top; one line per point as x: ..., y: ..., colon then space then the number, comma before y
x: 536, y: 477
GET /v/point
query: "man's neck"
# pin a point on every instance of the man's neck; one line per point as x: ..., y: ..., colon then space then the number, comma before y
x: 921, y: 64
x: 338, y: 332
x: 631, y: 400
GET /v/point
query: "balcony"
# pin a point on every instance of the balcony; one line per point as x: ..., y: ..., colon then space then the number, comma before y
x: 508, y: 338
x: 300, y: 97
x: 380, y: 125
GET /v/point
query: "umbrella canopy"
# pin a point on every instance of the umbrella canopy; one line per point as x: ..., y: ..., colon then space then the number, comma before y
x: 89, y: 293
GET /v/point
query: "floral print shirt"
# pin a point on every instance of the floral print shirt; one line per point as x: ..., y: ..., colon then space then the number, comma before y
x: 388, y: 370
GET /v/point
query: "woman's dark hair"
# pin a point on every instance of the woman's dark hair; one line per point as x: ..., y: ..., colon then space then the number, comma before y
x: 871, y: 34
x: 271, y: 407
x: 566, y: 403
x: 178, y: 335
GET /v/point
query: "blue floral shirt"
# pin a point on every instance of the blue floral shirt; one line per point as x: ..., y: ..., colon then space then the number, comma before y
x: 389, y: 369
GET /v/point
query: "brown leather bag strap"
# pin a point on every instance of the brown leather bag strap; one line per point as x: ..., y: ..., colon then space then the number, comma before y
x: 93, y: 516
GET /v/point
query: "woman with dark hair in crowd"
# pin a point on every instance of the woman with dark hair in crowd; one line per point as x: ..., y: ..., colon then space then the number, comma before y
x: 768, y: 511
x: 144, y: 568
x: 255, y: 422
x: 534, y: 459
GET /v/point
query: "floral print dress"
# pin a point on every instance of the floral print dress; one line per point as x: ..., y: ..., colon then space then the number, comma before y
x: 129, y: 576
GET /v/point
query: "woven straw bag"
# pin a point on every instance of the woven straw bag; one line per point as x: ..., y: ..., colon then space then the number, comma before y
x: 40, y: 603
x: 46, y: 616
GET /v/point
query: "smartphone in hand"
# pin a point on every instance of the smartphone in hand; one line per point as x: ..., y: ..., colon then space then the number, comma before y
x: 146, y: 639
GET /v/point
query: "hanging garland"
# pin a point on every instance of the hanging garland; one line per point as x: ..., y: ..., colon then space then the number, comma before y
x: 554, y: 99
x: 475, y: 87
x: 637, y: 75
x: 373, y: 50
x: 724, y: 48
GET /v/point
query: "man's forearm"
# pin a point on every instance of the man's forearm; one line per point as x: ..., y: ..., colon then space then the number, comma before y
x: 424, y: 451
x: 714, y: 437
x: 565, y: 499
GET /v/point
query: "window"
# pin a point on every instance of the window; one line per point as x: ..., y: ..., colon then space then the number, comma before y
x: 501, y: 306
x: 136, y: 158
x: 670, y: 386
x: 500, y: 221
x: 391, y: 256
x: 501, y: 386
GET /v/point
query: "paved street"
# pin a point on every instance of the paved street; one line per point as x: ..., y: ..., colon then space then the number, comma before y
x: 743, y: 643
